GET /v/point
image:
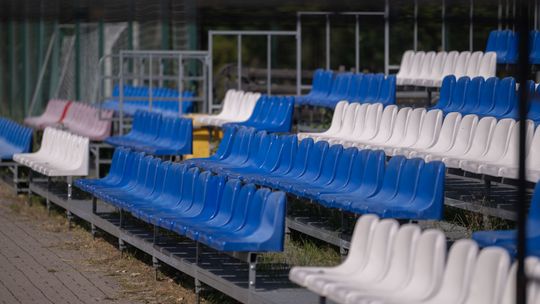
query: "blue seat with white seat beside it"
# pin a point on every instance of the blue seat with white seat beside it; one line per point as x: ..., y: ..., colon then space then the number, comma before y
x: 14, y: 138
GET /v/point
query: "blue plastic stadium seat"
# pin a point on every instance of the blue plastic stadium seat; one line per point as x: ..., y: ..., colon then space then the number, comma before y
x: 534, y: 107
x: 387, y: 94
x: 322, y: 82
x: 505, y: 98
x: 504, y: 43
x: 271, y: 113
x: 486, y: 100
x: 458, y: 97
x: 447, y: 89
x: 472, y: 95
x: 14, y: 138
x: 534, y: 56
x: 156, y: 134
x: 220, y: 213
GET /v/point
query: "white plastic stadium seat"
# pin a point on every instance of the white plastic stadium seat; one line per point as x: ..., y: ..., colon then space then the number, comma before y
x: 349, y: 121
x: 379, y: 252
x: 402, y: 129
x: 474, y: 63
x: 426, y: 134
x: 396, y: 268
x: 356, y: 259
x: 435, y: 72
x: 405, y: 66
x: 510, y: 156
x: 61, y: 154
x: 446, y: 134
x: 509, y: 292
x: 237, y: 107
x: 367, y: 128
x: 463, y: 131
x: 532, y: 161
x: 396, y: 121
x: 335, y: 125
x: 384, y: 124
x: 425, y: 69
x: 448, y: 69
x: 479, y: 143
x: 489, y: 276
x: 421, y: 279
x: 488, y: 66
x: 460, y: 68
x: 496, y: 149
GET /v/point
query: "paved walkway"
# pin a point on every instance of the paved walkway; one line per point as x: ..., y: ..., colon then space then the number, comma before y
x: 34, y: 269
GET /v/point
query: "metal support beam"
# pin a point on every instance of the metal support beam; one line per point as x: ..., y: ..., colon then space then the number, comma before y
x: 327, y: 35
x: 386, y: 37
x: 27, y: 62
x: 12, y: 65
x: 471, y: 25
x: 523, y: 75
x: 239, y: 61
x: 268, y: 64
x: 415, y: 30
x: 357, y: 44
x: 443, y: 25
x: 78, y: 59
x: 55, y: 60
x: 298, y: 55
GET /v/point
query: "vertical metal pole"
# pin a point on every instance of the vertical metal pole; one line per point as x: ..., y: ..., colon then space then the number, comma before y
x: 41, y: 46
x: 328, y: 42
x: 180, y: 84
x: 151, y: 84
x: 357, y: 44
x: 471, y: 25
x: 55, y: 60
x: 443, y: 25
x: 26, y: 65
x: 210, y: 72
x: 78, y: 59
x: 12, y: 65
x: 269, y: 64
x: 499, y: 15
x: 298, y: 55
x: 415, y: 42
x: 535, y: 14
x: 523, y: 70
x: 239, y: 63
x: 121, y: 95
x: 386, y: 36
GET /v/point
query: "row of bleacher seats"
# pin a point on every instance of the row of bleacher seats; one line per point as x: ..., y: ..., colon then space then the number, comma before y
x: 388, y: 263
x: 164, y: 100
x: 491, y: 97
x: 60, y: 154
x: 77, y: 117
x: 237, y: 106
x: 474, y: 144
x: 329, y: 88
x: 507, y: 239
x: 429, y: 68
x: 348, y: 179
x: 223, y: 214
x: 157, y: 134
x: 505, y: 44
x: 14, y: 139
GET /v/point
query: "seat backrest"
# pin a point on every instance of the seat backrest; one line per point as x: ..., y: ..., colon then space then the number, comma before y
x: 459, y: 94
x: 486, y: 100
x: 509, y: 293
x: 399, y: 126
x: 473, y: 64
x: 505, y: 97
x: 436, y: 70
x: 489, y: 276
x: 414, y: 123
x: 447, y: 90
x: 491, y: 45
x: 427, y: 65
x: 500, y: 139
x: 450, y: 63
x: 406, y: 64
x: 337, y: 117
x: 465, y: 133
x: 430, y: 128
x: 380, y: 244
x: 472, y: 95
x: 488, y: 65
x: 457, y: 274
x: 349, y: 119
x: 417, y: 62
x: 387, y: 93
x: 460, y: 68
x: 361, y: 238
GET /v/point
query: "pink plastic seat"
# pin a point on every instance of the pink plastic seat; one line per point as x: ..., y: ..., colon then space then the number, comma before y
x: 53, y: 114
